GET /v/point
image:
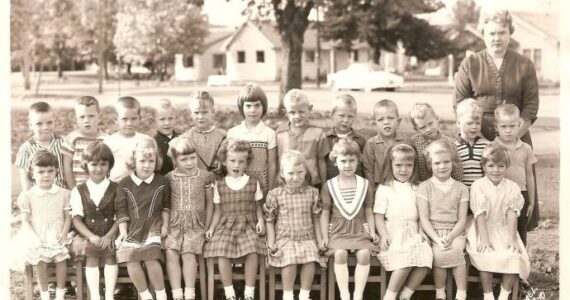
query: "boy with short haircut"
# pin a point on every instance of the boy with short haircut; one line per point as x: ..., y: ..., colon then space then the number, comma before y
x: 205, y: 136
x: 124, y: 141
x: 387, y: 118
x: 87, y: 112
x: 41, y: 120
x: 470, y: 143
x: 299, y: 134
x: 165, y: 120
x: 522, y: 157
x: 343, y: 115
x: 426, y: 123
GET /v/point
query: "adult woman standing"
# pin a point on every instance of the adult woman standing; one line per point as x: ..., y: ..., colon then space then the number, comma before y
x: 499, y: 75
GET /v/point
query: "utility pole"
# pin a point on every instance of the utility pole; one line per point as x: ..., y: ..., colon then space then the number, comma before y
x: 100, y: 44
x: 318, y: 53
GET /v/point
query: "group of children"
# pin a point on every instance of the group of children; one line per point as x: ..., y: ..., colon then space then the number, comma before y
x: 296, y: 195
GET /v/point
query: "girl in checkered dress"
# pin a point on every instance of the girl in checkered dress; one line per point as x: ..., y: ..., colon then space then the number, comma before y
x: 292, y: 214
x: 191, y: 198
x: 348, y: 225
x: 405, y: 251
x: 442, y: 202
x: 237, y: 223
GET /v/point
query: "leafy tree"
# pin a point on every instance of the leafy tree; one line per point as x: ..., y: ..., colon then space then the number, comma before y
x: 151, y: 32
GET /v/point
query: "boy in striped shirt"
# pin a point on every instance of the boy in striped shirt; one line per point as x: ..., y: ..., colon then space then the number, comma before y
x: 87, y: 117
x: 470, y: 143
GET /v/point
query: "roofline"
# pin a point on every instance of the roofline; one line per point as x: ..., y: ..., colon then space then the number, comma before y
x: 530, y: 24
x: 227, y: 45
x: 221, y: 38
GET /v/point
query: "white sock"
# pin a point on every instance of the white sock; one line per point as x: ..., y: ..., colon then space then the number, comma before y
x: 146, y: 295
x: 229, y: 291
x: 111, y: 272
x: 341, y: 274
x: 461, y: 295
x: 44, y: 295
x: 189, y: 293
x: 249, y: 291
x: 504, y: 295
x: 390, y: 295
x: 440, y: 293
x: 160, y: 294
x: 92, y: 278
x: 177, y: 294
x: 304, y: 294
x: 406, y: 293
x: 488, y: 296
x: 288, y: 295
x: 360, y: 278
x: 59, y: 294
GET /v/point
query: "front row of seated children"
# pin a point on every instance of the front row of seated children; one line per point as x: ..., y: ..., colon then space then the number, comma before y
x: 188, y: 212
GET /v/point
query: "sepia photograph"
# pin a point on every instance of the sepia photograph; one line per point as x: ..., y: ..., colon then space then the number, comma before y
x: 284, y: 149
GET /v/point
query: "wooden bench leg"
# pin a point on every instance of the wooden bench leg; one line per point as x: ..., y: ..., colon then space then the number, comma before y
x: 331, y: 279
x: 271, y: 283
x: 261, y: 277
x: 515, y: 291
x: 29, y: 282
x: 323, y: 278
x: 202, y: 267
x: 79, y: 280
x: 383, y: 283
x: 211, y: 271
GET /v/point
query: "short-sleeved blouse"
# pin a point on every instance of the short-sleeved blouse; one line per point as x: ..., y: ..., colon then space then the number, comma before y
x: 397, y: 202
x: 495, y: 200
x: 443, y: 205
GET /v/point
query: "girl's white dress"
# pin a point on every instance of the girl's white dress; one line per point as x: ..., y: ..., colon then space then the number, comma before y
x: 496, y: 200
x: 398, y: 203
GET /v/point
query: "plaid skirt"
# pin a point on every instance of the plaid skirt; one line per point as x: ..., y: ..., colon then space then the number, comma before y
x: 234, y: 237
x: 406, y: 247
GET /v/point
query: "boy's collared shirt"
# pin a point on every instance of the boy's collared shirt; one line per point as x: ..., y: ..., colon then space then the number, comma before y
x: 162, y: 141
x: 419, y: 142
x: 470, y: 157
x: 374, y: 155
x: 31, y: 146
x: 207, y: 145
x: 122, y: 148
x: 311, y: 142
x: 333, y: 137
x: 73, y: 146
x: 521, y: 156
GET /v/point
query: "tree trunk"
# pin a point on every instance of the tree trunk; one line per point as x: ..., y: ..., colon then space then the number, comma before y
x: 291, y: 73
x: 106, y: 65
x: 26, y: 64
x: 59, y: 64
x: 376, y: 55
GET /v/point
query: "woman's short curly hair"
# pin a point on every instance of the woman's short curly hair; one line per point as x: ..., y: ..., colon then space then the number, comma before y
x: 344, y: 146
x: 500, y: 16
x: 97, y: 151
x: 147, y: 147
x: 234, y: 145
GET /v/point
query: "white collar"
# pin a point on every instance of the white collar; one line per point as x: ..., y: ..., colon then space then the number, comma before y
x: 257, y: 128
x: 138, y: 181
x: 103, y: 184
x: 242, y: 178
x: 41, y: 192
x: 204, y: 131
x: 436, y: 181
x: 400, y: 185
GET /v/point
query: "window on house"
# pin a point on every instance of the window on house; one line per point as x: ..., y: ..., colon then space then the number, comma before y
x: 537, y: 59
x: 355, y: 55
x: 241, y: 57
x: 260, y: 56
x: 219, y: 61
x: 189, y: 61
x: 527, y: 53
x: 310, y: 56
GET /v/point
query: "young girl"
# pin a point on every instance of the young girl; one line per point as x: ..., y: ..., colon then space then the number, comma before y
x: 442, y: 203
x: 404, y: 248
x: 252, y: 105
x: 191, y: 198
x: 142, y: 215
x: 292, y: 215
x: 93, y: 210
x: 238, y: 218
x: 494, y: 246
x: 351, y: 225
x: 45, y: 222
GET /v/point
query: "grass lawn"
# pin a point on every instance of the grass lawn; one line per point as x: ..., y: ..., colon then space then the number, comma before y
x: 543, y: 242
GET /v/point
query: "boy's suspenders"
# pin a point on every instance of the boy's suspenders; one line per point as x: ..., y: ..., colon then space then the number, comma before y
x: 209, y: 167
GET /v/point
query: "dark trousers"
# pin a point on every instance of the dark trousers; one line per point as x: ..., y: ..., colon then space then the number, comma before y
x: 522, y: 223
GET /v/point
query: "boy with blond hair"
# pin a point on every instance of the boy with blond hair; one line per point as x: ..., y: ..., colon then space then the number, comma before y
x: 165, y: 121
x: 426, y: 123
x: 299, y: 134
x: 470, y: 143
x: 87, y: 116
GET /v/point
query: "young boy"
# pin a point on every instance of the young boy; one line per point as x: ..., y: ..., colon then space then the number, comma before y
x: 124, y: 141
x: 522, y: 157
x: 299, y: 134
x: 87, y: 112
x: 470, y: 143
x: 343, y: 115
x: 425, y: 122
x: 387, y: 120
x: 165, y: 119
x: 203, y: 134
x: 41, y: 121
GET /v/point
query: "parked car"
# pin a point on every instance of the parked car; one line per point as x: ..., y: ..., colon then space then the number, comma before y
x: 364, y: 76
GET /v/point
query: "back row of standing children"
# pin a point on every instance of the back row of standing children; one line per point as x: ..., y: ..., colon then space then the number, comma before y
x: 188, y: 206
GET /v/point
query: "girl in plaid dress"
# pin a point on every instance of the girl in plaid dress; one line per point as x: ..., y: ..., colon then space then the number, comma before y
x: 191, y: 198
x: 404, y: 248
x: 442, y: 202
x: 351, y: 226
x: 292, y: 215
x: 237, y: 223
